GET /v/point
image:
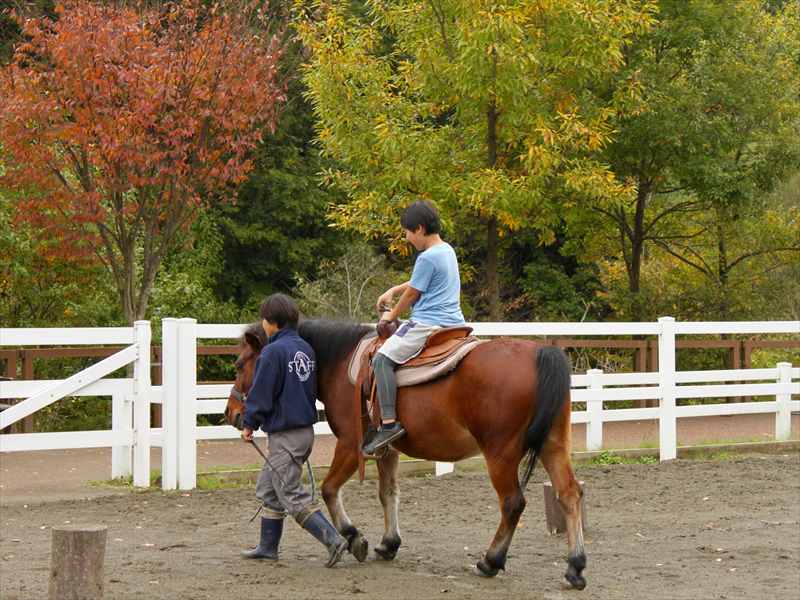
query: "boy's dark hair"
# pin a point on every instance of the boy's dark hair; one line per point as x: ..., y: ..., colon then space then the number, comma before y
x: 422, y: 213
x: 281, y: 310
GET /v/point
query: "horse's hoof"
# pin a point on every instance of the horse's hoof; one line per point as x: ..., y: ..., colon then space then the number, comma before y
x: 576, y: 565
x: 485, y: 569
x: 577, y: 582
x: 359, y: 547
x: 385, y: 553
x: 387, y: 549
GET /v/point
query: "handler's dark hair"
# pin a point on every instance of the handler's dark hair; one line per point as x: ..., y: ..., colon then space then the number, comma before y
x: 281, y: 310
x: 422, y: 213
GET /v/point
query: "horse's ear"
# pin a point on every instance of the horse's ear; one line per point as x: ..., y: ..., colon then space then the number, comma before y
x: 254, y: 342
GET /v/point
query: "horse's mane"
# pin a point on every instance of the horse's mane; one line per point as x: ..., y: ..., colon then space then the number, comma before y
x: 256, y: 330
x: 332, y: 340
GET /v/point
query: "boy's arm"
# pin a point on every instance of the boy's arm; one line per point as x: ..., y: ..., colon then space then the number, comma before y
x: 261, y: 399
x: 409, y: 297
x: 387, y: 297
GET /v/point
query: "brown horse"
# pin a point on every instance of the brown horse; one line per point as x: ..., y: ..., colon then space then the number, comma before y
x: 508, y: 399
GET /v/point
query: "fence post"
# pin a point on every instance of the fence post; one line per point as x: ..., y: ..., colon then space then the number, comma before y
x: 667, y: 425
x: 443, y: 468
x: 594, y: 412
x: 783, y: 416
x: 169, y: 406
x: 141, y: 408
x: 121, y: 421
x: 187, y: 404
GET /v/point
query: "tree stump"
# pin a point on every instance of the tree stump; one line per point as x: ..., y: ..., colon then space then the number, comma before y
x: 76, y: 562
x: 556, y: 520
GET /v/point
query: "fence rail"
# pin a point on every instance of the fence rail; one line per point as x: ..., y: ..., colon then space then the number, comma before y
x: 644, y: 358
x: 129, y: 436
x: 58, y: 336
x: 182, y: 399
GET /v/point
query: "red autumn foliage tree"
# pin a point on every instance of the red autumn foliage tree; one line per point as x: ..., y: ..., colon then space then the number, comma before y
x: 117, y: 124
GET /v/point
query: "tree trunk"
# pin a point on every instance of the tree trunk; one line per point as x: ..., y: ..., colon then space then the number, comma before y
x: 636, y: 235
x: 556, y: 520
x: 492, y: 283
x: 492, y: 236
x: 76, y: 563
x: 723, y: 304
x: 723, y: 271
x: 127, y: 306
x: 134, y: 292
x: 135, y: 304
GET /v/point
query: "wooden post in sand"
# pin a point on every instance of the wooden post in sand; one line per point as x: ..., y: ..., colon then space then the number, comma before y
x: 76, y: 563
x: 556, y: 521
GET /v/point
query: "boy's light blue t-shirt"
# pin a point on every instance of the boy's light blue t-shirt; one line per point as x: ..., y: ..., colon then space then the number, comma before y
x: 436, y: 276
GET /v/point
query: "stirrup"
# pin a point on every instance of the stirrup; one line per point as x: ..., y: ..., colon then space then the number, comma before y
x: 382, y: 439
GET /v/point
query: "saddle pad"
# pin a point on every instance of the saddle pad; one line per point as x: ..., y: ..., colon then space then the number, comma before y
x: 407, y: 375
x: 357, y: 357
x: 411, y: 375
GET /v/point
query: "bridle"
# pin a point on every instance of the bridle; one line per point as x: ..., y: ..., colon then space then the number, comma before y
x: 238, y: 396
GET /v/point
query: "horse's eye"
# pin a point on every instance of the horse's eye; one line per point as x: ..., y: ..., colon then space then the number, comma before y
x: 239, y: 365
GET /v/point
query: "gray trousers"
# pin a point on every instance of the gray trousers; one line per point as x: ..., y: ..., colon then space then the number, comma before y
x: 280, y: 487
x: 386, y: 380
x: 406, y: 343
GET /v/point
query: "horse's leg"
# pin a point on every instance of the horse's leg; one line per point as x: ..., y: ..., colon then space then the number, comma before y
x: 503, y: 471
x: 389, y: 495
x: 556, y: 460
x: 345, y: 463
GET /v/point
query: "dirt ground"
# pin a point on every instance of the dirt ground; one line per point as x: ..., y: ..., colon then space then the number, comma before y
x: 686, y: 529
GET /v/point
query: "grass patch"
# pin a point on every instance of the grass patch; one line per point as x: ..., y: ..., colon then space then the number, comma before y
x: 211, y: 482
x: 126, y: 482
x: 742, y: 440
x: 227, y: 468
x: 716, y: 455
x: 118, y: 482
x: 609, y: 458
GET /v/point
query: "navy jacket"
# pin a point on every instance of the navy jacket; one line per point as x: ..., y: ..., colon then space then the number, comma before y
x: 284, y: 390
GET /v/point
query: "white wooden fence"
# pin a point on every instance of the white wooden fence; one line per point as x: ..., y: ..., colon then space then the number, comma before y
x: 130, y: 435
x: 183, y: 399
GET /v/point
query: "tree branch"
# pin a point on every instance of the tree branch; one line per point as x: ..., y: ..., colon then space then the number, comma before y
x: 680, y: 207
x: 750, y: 255
x: 702, y: 266
x: 439, y: 14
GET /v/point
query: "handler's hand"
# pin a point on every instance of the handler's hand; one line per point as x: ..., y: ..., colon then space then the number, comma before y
x: 247, y: 434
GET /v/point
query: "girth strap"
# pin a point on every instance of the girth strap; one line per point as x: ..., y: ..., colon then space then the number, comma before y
x: 359, y: 425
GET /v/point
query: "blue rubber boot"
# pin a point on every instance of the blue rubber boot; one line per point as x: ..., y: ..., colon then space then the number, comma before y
x: 271, y: 531
x: 318, y: 526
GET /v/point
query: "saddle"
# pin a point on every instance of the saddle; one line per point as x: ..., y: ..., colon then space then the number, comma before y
x: 441, y: 354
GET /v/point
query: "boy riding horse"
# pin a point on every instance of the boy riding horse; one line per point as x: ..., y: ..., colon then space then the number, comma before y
x: 433, y: 294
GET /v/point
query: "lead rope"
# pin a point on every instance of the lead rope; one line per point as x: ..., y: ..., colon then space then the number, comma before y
x: 311, y: 478
x: 243, y: 399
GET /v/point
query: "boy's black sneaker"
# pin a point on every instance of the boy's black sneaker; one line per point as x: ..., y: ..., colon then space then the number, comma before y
x: 385, y: 436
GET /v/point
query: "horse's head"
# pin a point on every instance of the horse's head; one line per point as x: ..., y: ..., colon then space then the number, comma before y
x: 251, y: 344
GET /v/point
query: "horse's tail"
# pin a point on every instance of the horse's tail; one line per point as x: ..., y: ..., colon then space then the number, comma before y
x: 552, y: 390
